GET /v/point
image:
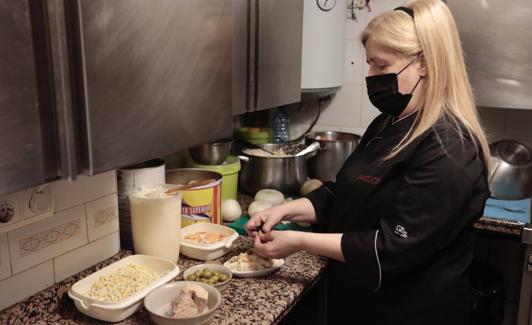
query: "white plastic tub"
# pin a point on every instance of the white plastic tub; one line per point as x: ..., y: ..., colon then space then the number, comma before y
x: 117, y: 311
x: 207, y: 252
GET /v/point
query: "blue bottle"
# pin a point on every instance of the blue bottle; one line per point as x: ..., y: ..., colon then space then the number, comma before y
x: 281, y: 126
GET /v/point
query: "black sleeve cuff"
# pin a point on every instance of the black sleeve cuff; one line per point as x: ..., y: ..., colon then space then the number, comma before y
x: 320, y: 199
x: 361, y: 257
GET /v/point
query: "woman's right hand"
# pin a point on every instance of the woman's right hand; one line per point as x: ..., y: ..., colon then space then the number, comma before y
x: 264, y: 220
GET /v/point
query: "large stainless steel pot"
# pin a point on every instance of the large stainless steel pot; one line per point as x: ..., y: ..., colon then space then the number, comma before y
x: 285, y: 174
x: 511, y: 177
x: 335, y: 147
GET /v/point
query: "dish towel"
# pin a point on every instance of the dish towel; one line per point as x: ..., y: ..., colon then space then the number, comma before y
x: 515, y: 210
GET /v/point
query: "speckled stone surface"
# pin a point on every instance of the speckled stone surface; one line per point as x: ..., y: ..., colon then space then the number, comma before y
x: 500, y: 226
x: 263, y: 300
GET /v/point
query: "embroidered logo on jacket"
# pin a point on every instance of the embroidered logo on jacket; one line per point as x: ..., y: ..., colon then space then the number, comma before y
x: 368, y: 179
x: 400, y: 231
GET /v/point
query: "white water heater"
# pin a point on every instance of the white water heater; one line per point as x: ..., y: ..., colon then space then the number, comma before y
x: 323, y: 53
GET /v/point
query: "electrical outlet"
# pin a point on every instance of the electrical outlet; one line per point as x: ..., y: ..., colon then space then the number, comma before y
x: 10, y: 211
x: 37, y: 201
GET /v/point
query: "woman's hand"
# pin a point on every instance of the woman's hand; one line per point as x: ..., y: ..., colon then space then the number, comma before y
x: 296, y: 210
x: 264, y: 221
x: 277, y: 244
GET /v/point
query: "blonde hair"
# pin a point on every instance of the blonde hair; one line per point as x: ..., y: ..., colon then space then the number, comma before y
x: 447, y: 90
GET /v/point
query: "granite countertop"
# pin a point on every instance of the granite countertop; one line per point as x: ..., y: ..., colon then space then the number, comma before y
x: 263, y: 300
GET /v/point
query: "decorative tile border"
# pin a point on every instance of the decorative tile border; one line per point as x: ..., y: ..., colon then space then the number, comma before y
x: 41, y: 241
x: 49, y: 237
x: 105, y: 216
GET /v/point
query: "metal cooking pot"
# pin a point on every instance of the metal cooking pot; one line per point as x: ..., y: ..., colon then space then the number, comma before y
x: 511, y: 177
x: 285, y: 174
x: 335, y: 147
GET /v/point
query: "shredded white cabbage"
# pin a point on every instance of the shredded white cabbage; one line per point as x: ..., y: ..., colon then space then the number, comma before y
x: 122, y: 283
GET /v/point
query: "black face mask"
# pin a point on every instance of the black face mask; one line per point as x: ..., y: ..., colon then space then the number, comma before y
x: 383, y: 92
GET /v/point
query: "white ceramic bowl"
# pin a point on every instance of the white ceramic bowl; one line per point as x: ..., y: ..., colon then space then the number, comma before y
x: 158, y: 303
x: 213, y: 267
x: 117, y: 311
x: 206, y: 252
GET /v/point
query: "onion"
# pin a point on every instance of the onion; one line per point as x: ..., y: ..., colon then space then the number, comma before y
x: 309, y: 186
x: 258, y: 206
x: 231, y: 210
x: 274, y: 197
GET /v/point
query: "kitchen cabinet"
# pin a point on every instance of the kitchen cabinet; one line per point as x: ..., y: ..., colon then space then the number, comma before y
x: 28, y: 150
x: 496, y: 41
x: 267, y: 49
x: 154, y: 77
x: 93, y: 85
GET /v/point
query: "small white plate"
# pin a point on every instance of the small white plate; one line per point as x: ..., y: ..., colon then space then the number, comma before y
x: 277, y: 264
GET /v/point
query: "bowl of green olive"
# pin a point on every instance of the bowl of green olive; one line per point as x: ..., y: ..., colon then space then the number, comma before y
x: 214, y: 274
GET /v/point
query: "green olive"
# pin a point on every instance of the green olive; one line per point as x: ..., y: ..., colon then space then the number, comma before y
x: 212, y: 281
x: 216, y: 278
x: 215, y: 273
x: 192, y: 277
x: 204, y: 280
x: 206, y: 273
x: 197, y: 274
x: 223, y: 277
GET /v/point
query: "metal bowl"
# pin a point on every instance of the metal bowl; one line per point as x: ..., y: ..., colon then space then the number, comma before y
x: 213, y: 153
x: 511, y: 177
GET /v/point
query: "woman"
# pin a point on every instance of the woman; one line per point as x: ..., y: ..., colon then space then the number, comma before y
x: 397, y: 224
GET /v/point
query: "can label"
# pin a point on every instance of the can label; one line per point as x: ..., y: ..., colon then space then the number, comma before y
x: 200, y: 205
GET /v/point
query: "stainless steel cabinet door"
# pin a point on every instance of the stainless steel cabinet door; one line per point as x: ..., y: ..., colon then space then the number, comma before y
x: 267, y: 46
x: 497, y: 43
x: 27, y: 133
x: 155, y: 77
x: 278, y: 50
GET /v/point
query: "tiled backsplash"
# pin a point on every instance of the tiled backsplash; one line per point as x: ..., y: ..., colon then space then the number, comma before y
x: 56, y: 231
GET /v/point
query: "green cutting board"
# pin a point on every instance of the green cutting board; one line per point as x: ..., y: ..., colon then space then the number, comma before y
x: 240, y: 226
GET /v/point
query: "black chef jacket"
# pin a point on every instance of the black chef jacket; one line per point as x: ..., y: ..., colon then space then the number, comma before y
x: 406, y: 224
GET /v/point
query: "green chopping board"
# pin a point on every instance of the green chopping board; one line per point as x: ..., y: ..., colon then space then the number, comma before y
x: 240, y: 226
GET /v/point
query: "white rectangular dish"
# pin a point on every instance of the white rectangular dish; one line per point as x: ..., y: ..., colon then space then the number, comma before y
x: 117, y: 311
x: 207, y: 252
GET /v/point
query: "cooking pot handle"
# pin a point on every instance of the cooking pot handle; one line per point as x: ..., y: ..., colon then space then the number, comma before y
x: 243, y: 158
x: 311, y: 154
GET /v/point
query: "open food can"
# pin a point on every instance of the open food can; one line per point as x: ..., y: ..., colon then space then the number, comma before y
x: 201, y: 203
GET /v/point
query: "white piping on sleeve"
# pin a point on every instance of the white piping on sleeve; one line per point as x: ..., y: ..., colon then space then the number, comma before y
x: 329, y: 190
x: 378, y: 262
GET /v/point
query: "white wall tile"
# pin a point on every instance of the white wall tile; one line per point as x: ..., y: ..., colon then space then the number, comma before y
x: 323, y: 127
x: 102, y: 216
x: 353, y: 28
x: 11, y: 205
x: 25, y: 284
x: 358, y: 131
x: 379, y: 6
x: 344, y: 110
x: 354, y: 63
x: 43, y: 240
x: 5, y: 262
x: 81, y: 258
x: 68, y: 194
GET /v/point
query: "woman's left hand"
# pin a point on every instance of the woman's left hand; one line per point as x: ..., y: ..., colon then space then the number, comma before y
x: 277, y: 244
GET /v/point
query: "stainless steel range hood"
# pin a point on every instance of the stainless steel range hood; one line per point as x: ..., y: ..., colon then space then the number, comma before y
x: 498, y: 46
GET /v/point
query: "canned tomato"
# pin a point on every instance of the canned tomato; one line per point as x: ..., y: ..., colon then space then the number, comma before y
x: 201, y: 203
